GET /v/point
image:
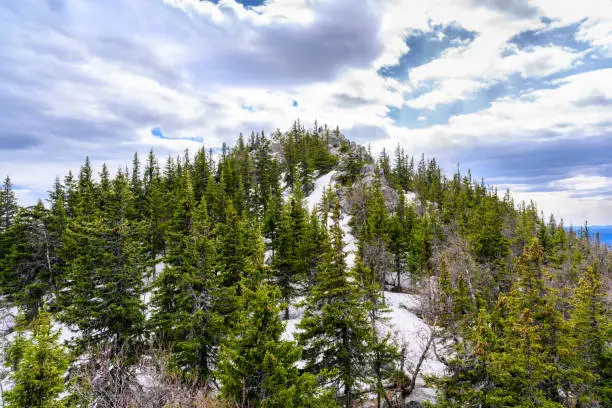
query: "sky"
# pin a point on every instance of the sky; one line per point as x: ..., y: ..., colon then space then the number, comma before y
x: 520, y: 92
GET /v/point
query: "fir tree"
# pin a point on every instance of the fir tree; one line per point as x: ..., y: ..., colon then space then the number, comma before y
x: 30, y: 268
x: 183, y: 316
x: 291, y: 251
x: 39, y: 364
x: 256, y: 367
x: 592, y: 332
x: 103, y: 274
x: 8, y: 204
x: 335, y: 331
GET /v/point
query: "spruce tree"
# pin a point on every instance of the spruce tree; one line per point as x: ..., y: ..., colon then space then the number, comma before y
x: 256, y: 367
x: 592, y: 331
x: 30, y: 268
x: 335, y: 331
x: 105, y: 264
x: 8, y: 204
x: 39, y: 364
x: 183, y: 315
x: 374, y: 234
x: 291, y: 250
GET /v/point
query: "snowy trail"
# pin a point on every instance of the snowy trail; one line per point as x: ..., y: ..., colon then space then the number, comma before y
x: 350, y: 242
x: 321, y: 184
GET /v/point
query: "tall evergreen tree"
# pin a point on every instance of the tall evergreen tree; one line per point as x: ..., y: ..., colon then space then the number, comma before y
x: 183, y: 315
x: 335, y: 331
x: 8, y: 204
x: 256, y: 367
x: 105, y: 264
x: 291, y: 251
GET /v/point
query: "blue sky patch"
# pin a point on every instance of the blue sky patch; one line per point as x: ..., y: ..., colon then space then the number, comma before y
x: 245, y: 3
x: 427, y: 46
x: 514, y: 86
x: 558, y: 36
x: 157, y: 132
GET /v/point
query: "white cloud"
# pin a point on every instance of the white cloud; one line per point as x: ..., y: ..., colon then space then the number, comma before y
x: 598, y: 32
x: 449, y: 90
x: 582, y: 183
x: 574, y: 109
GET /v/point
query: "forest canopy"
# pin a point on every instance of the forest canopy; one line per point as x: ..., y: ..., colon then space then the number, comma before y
x: 241, y: 279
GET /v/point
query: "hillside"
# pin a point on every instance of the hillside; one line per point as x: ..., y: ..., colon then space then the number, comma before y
x: 297, y: 270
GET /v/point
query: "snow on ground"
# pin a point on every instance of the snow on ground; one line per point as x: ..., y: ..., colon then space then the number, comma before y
x: 410, y: 196
x: 7, y: 318
x: 411, y: 330
x: 268, y: 256
x: 406, y: 329
x: 159, y: 267
x: 67, y: 334
x: 321, y: 184
x: 291, y: 328
x: 349, y: 240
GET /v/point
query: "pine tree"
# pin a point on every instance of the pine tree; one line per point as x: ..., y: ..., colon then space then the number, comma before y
x: 39, y: 364
x: 8, y: 204
x: 335, y: 330
x: 291, y: 252
x: 105, y: 264
x: 183, y: 315
x: 256, y: 367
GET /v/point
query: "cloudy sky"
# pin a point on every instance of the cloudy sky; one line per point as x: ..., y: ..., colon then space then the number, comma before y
x: 518, y: 91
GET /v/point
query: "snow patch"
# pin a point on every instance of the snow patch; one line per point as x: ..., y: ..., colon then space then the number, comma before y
x: 411, y: 331
x: 350, y: 242
x: 159, y: 267
x: 268, y: 256
x: 410, y: 196
x: 321, y: 184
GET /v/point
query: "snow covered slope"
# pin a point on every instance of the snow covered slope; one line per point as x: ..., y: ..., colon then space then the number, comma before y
x: 322, y: 183
x: 407, y: 329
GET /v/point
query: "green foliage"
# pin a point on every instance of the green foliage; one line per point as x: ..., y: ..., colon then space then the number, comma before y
x: 183, y: 316
x: 105, y: 265
x: 39, y: 365
x: 304, y: 153
x: 519, y: 303
x: 526, y: 354
x: 290, y: 263
x: 335, y: 331
x: 256, y: 367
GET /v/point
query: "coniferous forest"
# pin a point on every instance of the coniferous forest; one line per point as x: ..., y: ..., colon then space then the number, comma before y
x: 278, y: 272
